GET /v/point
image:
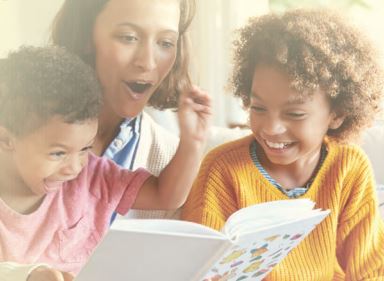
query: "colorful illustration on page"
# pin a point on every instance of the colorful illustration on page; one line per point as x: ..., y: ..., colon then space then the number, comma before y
x: 253, y: 260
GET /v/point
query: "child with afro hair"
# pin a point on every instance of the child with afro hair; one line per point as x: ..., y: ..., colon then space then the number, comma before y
x: 312, y: 83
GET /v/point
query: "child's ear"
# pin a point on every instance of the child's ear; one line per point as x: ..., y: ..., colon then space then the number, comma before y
x: 6, y: 140
x: 337, y: 121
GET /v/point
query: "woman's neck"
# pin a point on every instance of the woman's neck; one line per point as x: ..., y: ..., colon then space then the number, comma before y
x: 109, y: 126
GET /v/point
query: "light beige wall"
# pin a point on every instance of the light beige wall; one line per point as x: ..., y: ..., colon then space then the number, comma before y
x: 25, y: 22
x: 212, y: 34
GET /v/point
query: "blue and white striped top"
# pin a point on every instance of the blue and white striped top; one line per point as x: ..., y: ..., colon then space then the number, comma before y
x: 296, y: 191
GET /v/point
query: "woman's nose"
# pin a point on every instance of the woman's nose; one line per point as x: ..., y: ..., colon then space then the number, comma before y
x: 145, y: 57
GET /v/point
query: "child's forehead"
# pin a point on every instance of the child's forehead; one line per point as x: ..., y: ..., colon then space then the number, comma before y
x: 270, y: 81
x: 57, y: 130
x: 294, y: 98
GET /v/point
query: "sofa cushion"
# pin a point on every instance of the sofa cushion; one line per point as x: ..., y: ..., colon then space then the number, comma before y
x: 380, y: 193
x: 373, y: 145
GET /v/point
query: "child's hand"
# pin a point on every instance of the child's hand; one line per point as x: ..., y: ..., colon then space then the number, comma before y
x: 43, y: 273
x: 194, y: 115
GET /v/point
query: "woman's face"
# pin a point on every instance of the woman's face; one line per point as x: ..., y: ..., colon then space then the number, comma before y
x: 135, y: 47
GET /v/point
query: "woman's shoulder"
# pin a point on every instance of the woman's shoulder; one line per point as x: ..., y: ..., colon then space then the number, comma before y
x: 231, y: 148
x: 156, y: 146
x: 154, y: 131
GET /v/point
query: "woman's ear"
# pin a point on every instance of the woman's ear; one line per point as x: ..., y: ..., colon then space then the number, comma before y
x: 6, y: 140
x: 337, y: 121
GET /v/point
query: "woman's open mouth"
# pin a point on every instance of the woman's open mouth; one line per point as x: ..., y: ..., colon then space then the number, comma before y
x: 138, y: 88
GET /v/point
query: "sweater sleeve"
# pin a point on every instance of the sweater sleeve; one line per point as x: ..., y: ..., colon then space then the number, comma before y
x: 11, y: 271
x: 211, y: 199
x: 360, y: 244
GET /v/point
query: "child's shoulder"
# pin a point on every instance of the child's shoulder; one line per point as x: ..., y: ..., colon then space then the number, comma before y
x: 97, y: 166
x: 346, y: 151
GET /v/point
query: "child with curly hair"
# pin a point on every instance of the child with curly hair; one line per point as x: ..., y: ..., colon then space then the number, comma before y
x: 312, y: 83
x: 57, y: 198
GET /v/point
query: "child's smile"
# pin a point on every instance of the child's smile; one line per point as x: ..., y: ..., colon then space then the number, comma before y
x: 52, y: 154
x: 278, y: 145
x: 289, y: 128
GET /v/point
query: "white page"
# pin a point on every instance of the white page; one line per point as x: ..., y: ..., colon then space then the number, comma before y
x: 176, y: 227
x: 267, y: 214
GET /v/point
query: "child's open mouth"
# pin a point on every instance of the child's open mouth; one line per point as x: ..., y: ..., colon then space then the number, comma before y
x: 278, y: 145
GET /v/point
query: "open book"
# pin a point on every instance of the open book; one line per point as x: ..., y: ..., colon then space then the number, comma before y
x: 252, y: 242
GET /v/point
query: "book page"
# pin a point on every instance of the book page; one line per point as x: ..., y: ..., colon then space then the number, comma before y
x: 170, y: 227
x: 267, y: 214
x: 254, y: 254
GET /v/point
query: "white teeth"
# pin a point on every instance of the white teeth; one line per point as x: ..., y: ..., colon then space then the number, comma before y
x: 277, y: 145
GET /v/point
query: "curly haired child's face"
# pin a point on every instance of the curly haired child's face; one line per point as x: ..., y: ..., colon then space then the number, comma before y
x: 136, y: 45
x: 289, y: 130
x: 44, y: 159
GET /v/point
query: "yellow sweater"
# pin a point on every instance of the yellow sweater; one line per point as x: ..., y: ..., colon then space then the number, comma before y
x: 347, y: 245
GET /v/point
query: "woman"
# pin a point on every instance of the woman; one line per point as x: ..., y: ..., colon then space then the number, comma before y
x: 139, y: 50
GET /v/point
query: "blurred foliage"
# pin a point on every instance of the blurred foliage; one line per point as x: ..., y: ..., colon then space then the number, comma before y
x: 281, y: 5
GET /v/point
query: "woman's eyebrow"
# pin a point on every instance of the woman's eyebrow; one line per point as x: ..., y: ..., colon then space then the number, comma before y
x: 138, y: 27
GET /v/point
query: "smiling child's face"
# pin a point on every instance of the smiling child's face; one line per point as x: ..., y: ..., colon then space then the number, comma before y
x: 287, y: 128
x: 54, y: 153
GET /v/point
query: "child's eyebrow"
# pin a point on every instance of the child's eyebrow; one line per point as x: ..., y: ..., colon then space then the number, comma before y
x: 291, y: 101
x: 297, y: 100
x: 90, y: 143
x: 58, y: 145
x: 61, y: 145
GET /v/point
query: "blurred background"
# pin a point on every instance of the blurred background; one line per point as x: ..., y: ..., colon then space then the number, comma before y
x: 212, y: 32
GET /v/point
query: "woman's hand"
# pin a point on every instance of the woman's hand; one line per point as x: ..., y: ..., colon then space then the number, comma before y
x: 195, y: 114
x: 43, y: 273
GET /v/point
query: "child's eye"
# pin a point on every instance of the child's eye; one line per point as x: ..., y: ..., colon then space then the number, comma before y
x: 57, y: 155
x: 296, y: 115
x: 86, y: 149
x: 258, y: 109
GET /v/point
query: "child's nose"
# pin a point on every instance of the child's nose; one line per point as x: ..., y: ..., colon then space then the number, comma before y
x: 274, y: 126
x: 73, y: 166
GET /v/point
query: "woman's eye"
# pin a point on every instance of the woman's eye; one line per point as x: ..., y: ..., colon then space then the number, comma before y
x: 127, y: 38
x: 167, y: 44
